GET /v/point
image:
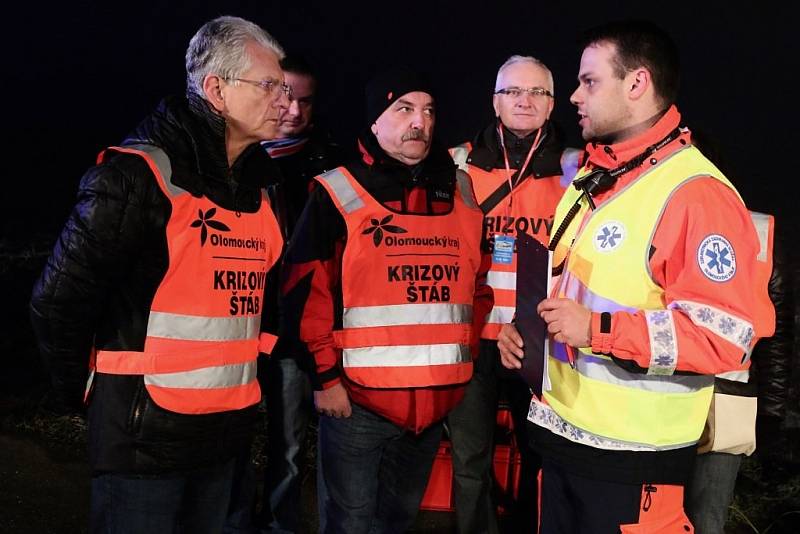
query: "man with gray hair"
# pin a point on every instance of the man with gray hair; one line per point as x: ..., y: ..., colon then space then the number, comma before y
x: 161, y: 275
x: 519, y: 169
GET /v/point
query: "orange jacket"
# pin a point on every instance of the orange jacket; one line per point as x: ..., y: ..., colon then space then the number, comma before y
x: 702, y: 207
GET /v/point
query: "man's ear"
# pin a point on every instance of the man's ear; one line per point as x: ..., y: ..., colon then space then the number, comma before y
x: 640, y: 82
x: 214, y: 91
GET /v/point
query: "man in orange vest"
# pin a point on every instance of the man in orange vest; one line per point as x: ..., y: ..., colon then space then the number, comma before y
x: 519, y: 169
x: 748, y: 408
x: 384, y: 264
x: 161, y: 275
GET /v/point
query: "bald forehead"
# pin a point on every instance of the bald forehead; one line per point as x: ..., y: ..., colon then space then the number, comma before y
x: 524, y: 74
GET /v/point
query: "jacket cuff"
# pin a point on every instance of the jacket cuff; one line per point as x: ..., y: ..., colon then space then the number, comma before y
x: 329, y: 384
x: 601, y: 333
x: 328, y: 370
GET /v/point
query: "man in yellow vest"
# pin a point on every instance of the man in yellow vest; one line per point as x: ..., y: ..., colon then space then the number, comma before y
x: 519, y: 169
x: 161, y: 275
x: 656, y: 291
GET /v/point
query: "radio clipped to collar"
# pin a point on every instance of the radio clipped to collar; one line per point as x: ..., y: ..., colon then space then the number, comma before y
x: 600, y: 180
x: 595, y: 182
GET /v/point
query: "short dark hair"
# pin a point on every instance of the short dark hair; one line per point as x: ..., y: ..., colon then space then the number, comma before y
x: 298, y: 65
x: 641, y: 43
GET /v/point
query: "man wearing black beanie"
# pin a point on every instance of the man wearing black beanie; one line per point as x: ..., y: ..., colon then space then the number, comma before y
x: 383, y: 276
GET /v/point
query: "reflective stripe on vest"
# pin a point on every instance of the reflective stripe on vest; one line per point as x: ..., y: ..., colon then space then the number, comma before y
x: 407, y: 314
x: 659, y: 410
x: 342, y: 191
x: 175, y: 326
x: 408, y: 282
x: 459, y: 154
x: 502, y: 280
x: 202, y: 336
x: 531, y: 212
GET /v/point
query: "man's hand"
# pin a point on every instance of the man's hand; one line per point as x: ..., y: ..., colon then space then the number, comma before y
x: 567, y: 321
x: 510, y: 344
x: 333, y: 401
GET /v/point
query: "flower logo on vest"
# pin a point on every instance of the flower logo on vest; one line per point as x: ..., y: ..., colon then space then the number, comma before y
x: 206, y: 219
x: 609, y: 236
x: 378, y: 227
x: 716, y: 258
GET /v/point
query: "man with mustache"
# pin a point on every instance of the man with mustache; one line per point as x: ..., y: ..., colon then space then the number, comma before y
x: 660, y: 285
x: 519, y: 168
x: 384, y: 266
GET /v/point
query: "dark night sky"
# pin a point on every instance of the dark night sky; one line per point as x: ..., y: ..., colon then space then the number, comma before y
x: 82, y: 75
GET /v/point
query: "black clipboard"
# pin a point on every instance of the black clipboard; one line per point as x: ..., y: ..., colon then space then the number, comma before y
x: 533, y: 277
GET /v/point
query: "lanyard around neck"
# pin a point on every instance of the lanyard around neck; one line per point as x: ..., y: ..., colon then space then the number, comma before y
x: 534, y: 146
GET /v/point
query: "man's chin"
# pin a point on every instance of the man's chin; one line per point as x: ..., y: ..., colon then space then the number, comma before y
x: 416, y: 155
x: 289, y: 132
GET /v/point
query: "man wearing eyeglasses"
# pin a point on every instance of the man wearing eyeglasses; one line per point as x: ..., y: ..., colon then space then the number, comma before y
x: 384, y: 264
x: 519, y: 169
x: 301, y: 152
x: 162, y: 274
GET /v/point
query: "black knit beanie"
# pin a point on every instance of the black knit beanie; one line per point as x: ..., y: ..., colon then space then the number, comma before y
x: 388, y: 86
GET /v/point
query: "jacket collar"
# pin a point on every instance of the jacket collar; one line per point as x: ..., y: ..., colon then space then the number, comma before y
x: 487, y: 152
x: 193, y: 135
x: 614, y: 155
x: 436, y: 169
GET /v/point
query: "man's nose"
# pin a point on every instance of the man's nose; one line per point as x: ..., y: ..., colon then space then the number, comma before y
x: 574, y: 97
x: 283, y: 101
x: 294, y: 108
x: 418, y: 120
x: 525, y: 100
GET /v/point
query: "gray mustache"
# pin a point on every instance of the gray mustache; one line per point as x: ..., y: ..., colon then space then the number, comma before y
x: 415, y: 135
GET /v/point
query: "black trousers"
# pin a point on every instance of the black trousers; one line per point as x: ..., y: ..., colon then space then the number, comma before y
x: 573, y: 504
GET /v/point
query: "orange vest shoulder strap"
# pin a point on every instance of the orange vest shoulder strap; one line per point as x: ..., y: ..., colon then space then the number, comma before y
x: 464, y: 186
x: 765, y: 229
x: 346, y: 193
x: 156, y: 159
x: 460, y: 153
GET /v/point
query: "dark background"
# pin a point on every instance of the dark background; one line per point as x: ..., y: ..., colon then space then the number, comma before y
x: 80, y: 75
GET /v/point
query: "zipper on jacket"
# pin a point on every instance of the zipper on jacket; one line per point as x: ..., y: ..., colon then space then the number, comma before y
x: 137, y: 408
x: 233, y: 187
x: 649, y: 489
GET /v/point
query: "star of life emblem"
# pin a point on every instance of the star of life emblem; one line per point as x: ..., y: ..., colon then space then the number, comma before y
x: 609, y: 236
x: 716, y: 258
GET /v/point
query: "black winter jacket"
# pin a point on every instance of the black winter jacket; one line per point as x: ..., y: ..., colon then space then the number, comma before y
x: 97, y: 287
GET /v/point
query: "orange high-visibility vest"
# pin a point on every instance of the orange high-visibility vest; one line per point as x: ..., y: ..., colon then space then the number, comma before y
x: 203, y: 331
x: 528, y: 209
x: 408, y: 283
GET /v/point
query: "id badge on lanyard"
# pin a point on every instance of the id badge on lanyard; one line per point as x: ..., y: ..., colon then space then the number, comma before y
x: 503, y: 252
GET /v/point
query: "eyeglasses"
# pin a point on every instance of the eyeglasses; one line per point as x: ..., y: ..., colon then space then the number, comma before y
x: 516, y: 92
x: 267, y: 85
